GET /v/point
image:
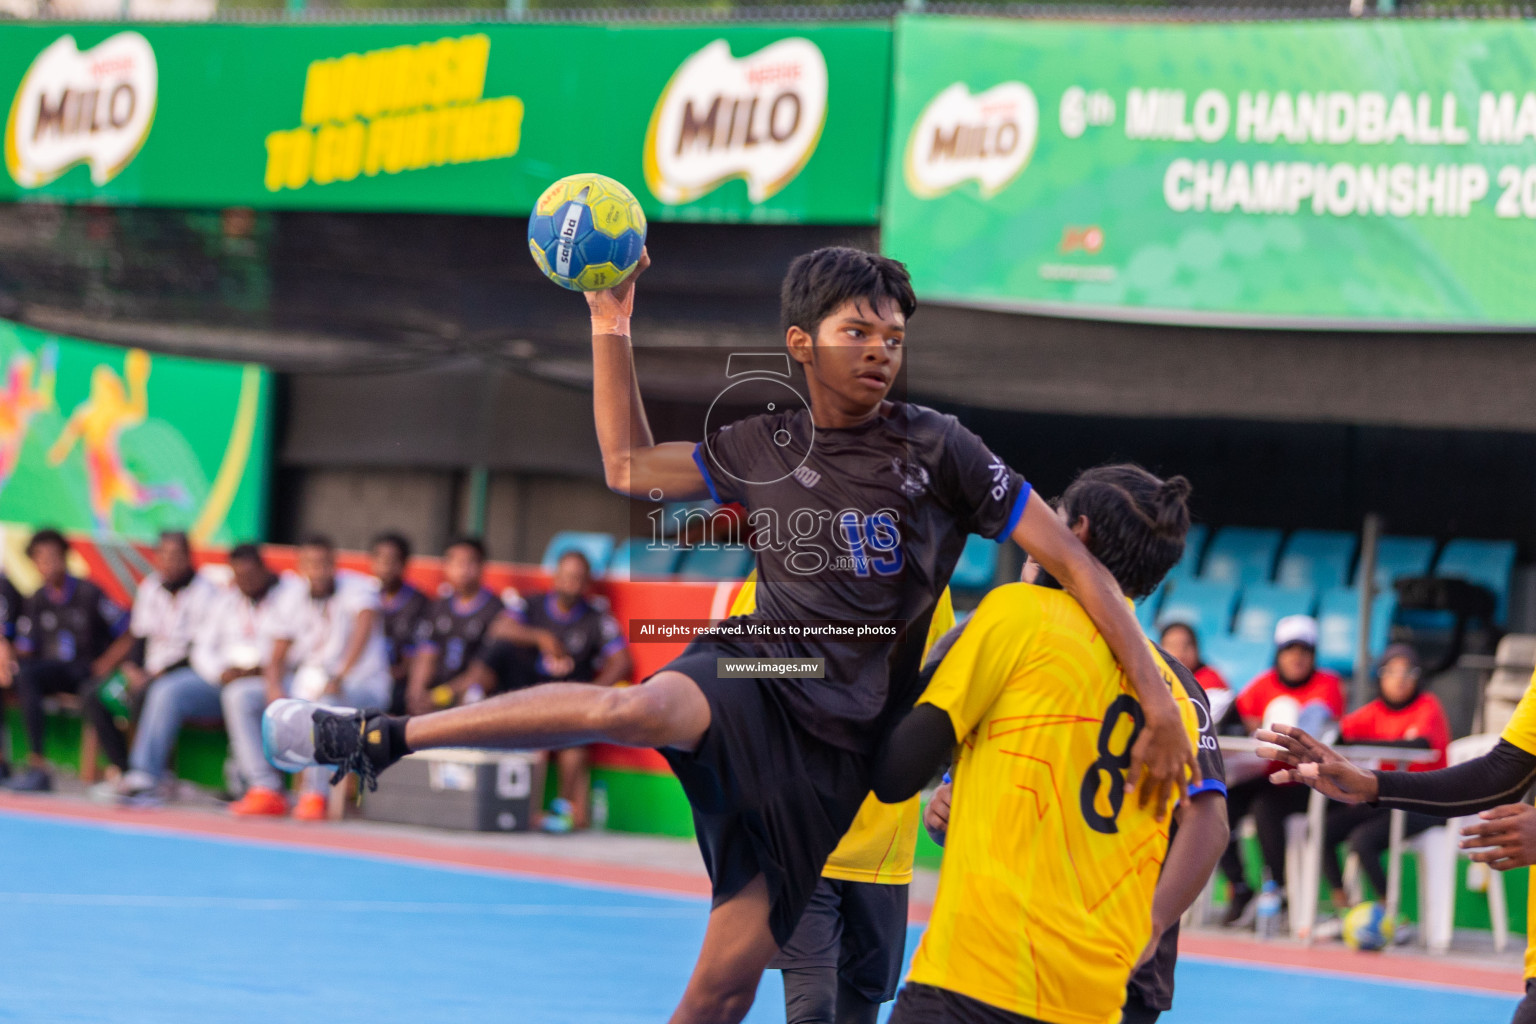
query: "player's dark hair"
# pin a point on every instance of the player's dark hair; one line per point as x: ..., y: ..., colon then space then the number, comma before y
x: 246, y: 553
x: 396, y: 541
x: 818, y: 282
x: 319, y: 540
x: 475, y: 544
x: 47, y: 535
x: 586, y: 563
x: 1136, y: 522
x: 1194, y: 637
x: 177, y: 537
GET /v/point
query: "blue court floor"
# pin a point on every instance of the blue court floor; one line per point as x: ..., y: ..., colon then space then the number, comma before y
x: 104, y: 924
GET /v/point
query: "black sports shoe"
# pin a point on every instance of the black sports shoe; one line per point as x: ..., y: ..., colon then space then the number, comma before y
x: 1237, y: 906
x: 298, y: 734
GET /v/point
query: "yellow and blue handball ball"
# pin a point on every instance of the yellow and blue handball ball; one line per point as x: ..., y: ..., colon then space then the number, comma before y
x: 586, y: 232
x: 1367, y: 927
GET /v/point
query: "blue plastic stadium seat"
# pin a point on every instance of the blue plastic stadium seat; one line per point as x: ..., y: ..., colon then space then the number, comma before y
x: 1264, y: 604
x: 726, y: 562
x: 1241, y: 555
x: 1316, y: 559
x: 978, y: 564
x: 1238, y: 660
x: 1146, y: 608
x: 1399, y: 558
x: 1338, y: 625
x: 1203, y: 606
x: 597, y: 547
x: 635, y: 557
x: 1194, y: 545
x: 1487, y: 562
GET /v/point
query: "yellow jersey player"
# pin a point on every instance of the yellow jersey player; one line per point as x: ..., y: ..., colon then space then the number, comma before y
x: 844, y: 958
x: 1492, y: 784
x: 1046, y: 891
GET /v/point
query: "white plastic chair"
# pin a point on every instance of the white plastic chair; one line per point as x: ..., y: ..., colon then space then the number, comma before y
x: 1439, y: 851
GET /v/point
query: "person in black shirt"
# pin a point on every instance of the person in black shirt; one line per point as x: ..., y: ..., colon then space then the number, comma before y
x: 860, y: 506
x: 69, y: 634
x: 588, y: 647
x: 452, y: 630
x: 403, y: 606
x: 10, y: 608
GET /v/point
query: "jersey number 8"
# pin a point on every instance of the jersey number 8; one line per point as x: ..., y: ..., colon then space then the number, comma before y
x: 1111, y: 764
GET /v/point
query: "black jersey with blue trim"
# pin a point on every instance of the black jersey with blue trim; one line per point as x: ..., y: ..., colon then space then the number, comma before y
x: 75, y: 623
x: 10, y: 607
x: 457, y: 630
x: 863, y: 524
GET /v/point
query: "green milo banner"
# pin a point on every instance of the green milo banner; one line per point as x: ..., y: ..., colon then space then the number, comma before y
x: 757, y: 123
x: 120, y: 442
x: 1370, y: 174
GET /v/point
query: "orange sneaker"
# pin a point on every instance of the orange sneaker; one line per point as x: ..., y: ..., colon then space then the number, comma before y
x: 311, y: 807
x: 258, y: 801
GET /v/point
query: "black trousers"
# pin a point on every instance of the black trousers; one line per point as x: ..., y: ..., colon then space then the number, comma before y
x: 1270, y: 805
x: 1525, y: 1012
x: 1368, y: 830
x: 114, y: 742
x: 39, y: 678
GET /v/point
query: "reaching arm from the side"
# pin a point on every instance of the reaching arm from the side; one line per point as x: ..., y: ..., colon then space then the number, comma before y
x: 1499, y: 776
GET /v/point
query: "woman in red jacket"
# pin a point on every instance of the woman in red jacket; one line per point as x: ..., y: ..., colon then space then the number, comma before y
x: 1401, y: 716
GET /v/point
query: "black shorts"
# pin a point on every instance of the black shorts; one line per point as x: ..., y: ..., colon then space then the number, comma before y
x: 1138, y: 1010
x: 926, y: 1004
x: 1525, y: 1011
x: 857, y: 928
x: 768, y: 798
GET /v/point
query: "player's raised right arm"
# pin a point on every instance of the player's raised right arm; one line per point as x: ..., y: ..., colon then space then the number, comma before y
x: 633, y: 463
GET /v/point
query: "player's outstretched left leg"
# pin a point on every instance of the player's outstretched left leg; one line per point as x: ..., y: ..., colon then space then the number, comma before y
x: 668, y: 711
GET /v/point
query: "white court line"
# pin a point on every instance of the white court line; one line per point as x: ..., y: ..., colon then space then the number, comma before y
x: 72, y: 899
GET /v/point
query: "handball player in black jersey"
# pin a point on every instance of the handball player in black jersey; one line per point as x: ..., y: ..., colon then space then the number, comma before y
x: 859, y: 507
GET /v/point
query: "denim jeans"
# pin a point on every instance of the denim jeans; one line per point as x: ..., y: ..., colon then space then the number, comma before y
x: 173, y: 698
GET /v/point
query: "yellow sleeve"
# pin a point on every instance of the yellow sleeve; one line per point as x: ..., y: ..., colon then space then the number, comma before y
x: 985, y: 656
x: 1521, y: 730
x: 881, y: 843
x: 746, y: 598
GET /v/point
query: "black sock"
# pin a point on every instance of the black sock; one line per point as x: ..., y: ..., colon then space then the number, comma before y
x: 395, y: 726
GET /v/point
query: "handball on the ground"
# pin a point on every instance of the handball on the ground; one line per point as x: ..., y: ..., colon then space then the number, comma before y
x: 586, y: 232
x: 1367, y: 927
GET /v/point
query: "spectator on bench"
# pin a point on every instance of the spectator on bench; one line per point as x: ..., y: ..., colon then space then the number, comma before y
x: 330, y: 634
x: 168, y: 609
x: 577, y: 642
x: 69, y: 637
x: 233, y: 648
x: 452, y: 632
x: 1278, y: 694
x: 1179, y: 640
x: 1405, y: 716
x: 403, y: 608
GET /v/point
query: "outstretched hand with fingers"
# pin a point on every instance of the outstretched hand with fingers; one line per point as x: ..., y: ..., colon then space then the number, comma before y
x: 1505, y: 838
x: 1314, y: 763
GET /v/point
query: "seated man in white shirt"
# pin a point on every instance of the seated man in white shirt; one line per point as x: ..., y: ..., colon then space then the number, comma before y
x: 168, y: 611
x: 232, y: 650
x: 327, y: 646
